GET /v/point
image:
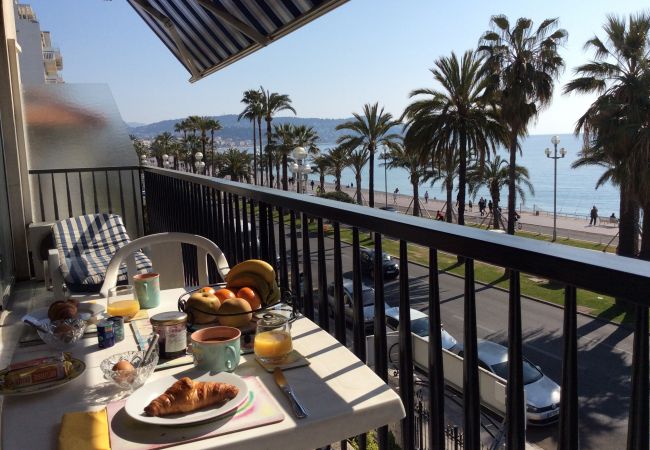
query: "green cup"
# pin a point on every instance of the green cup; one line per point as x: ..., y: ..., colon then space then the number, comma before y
x: 216, y: 348
x: 147, y: 289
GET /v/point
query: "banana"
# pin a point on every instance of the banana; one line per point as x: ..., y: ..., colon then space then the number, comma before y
x: 256, y: 266
x: 274, y: 297
x: 251, y: 280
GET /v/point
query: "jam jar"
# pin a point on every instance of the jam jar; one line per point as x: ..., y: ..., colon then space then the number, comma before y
x: 172, y: 328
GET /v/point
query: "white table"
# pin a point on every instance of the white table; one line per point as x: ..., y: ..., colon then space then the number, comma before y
x: 343, y: 396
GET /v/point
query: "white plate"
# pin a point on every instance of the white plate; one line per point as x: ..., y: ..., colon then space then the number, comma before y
x: 94, y: 309
x: 136, y: 403
x: 78, y: 368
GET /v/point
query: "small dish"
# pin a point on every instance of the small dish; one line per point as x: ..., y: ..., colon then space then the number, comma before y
x: 78, y: 367
x: 127, y: 379
x: 63, y: 334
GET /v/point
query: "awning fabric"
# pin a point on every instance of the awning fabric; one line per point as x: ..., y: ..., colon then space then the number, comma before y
x: 207, y: 35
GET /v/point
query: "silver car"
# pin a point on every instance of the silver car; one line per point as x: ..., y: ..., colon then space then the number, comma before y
x: 420, y: 326
x: 368, y: 298
x: 542, y: 393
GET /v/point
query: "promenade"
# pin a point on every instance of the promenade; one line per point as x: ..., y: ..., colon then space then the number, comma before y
x: 567, y: 227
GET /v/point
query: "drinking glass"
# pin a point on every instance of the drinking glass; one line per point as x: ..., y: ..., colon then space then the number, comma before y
x: 122, y: 302
x: 273, y: 338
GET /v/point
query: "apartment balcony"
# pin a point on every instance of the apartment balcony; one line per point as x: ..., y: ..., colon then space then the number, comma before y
x: 314, y: 243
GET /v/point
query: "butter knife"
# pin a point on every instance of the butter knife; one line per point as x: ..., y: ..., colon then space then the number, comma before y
x: 281, y: 381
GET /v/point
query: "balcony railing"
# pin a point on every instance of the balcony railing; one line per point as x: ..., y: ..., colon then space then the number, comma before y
x: 62, y: 193
x: 228, y: 212
x: 254, y: 222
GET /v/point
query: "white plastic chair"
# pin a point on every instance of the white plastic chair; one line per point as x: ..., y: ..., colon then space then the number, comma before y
x: 165, y: 252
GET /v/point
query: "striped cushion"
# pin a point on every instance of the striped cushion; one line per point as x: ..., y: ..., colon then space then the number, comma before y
x: 86, y: 245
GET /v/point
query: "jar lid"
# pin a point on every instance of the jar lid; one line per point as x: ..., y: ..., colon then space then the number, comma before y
x: 272, y: 320
x: 169, y: 318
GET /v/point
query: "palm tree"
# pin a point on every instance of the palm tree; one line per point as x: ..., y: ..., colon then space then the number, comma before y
x: 203, y: 124
x: 272, y: 103
x: 162, y: 144
x: 414, y: 159
x: 459, y: 115
x: 284, y: 142
x: 189, y: 146
x: 181, y: 127
x: 370, y: 129
x: 614, y: 126
x: 321, y: 165
x: 495, y: 175
x: 253, y: 112
x: 444, y: 168
x: 337, y: 160
x: 523, y: 63
x: 213, y: 125
x: 306, y: 137
x: 235, y: 164
x: 139, y: 146
x: 357, y: 159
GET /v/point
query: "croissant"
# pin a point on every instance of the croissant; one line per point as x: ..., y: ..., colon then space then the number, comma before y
x: 187, y: 395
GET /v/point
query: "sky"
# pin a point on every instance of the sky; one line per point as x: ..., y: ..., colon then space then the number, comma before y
x: 365, y: 51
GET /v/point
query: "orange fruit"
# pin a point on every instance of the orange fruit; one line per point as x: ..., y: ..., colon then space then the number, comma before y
x: 208, y: 289
x: 251, y: 297
x: 224, y: 294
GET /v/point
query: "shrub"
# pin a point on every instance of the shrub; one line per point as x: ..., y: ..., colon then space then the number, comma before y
x: 372, y: 444
x: 337, y: 195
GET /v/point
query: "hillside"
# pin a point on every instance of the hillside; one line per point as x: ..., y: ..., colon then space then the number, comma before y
x: 235, y: 130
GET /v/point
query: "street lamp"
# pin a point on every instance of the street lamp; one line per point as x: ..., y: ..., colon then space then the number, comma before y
x: 143, y: 159
x: 166, y: 162
x: 198, y: 164
x: 555, y: 140
x: 299, y: 168
x: 384, y: 156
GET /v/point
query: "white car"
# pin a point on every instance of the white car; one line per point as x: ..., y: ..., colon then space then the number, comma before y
x: 420, y: 326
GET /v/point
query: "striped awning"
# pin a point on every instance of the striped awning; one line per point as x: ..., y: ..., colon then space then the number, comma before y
x: 207, y: 35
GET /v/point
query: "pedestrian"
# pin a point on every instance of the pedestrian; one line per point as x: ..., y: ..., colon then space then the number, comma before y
x: 457, y: 199
x: 439, y: 216
x: 490, y: 206
x: 426, y: 197
x: 312, y: 185
x: 594, y: 216
x: 481, y: 206
x: 351, y: 184
x: 470, y: 206
x: 395, y: 192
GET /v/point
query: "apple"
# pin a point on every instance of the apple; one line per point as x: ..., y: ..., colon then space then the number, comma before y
x: 237, y: 306
x: 208, y: 289
x: 203, y: 306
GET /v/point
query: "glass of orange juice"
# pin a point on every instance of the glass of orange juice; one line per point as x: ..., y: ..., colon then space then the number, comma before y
x: 272, y: 338
x: 122, y: 302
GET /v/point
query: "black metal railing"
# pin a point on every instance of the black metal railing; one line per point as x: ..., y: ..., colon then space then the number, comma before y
x: 62, y: 193
x: 222, y: 210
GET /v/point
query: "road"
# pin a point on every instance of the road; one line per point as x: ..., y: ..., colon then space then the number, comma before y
x: 604, y: 350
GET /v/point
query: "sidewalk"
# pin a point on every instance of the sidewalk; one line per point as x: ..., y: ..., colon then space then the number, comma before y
x: 567, y: 227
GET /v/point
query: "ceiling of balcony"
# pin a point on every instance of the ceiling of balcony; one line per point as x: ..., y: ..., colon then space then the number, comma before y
x: 207, y: 35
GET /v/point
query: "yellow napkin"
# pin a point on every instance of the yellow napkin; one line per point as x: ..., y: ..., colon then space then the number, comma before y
x: 84, y: 431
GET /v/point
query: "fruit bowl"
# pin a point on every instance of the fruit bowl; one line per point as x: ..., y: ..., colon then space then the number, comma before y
x: 129, y: 379
x: 62, y: 334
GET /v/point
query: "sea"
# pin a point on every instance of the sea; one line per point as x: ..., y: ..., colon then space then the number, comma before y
x: 576, y: 188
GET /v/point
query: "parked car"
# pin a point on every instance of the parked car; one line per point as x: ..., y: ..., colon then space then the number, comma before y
x: 391, y: 267
x: 420, y: 326
x: 542, y: 393
x: 368, y: 296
